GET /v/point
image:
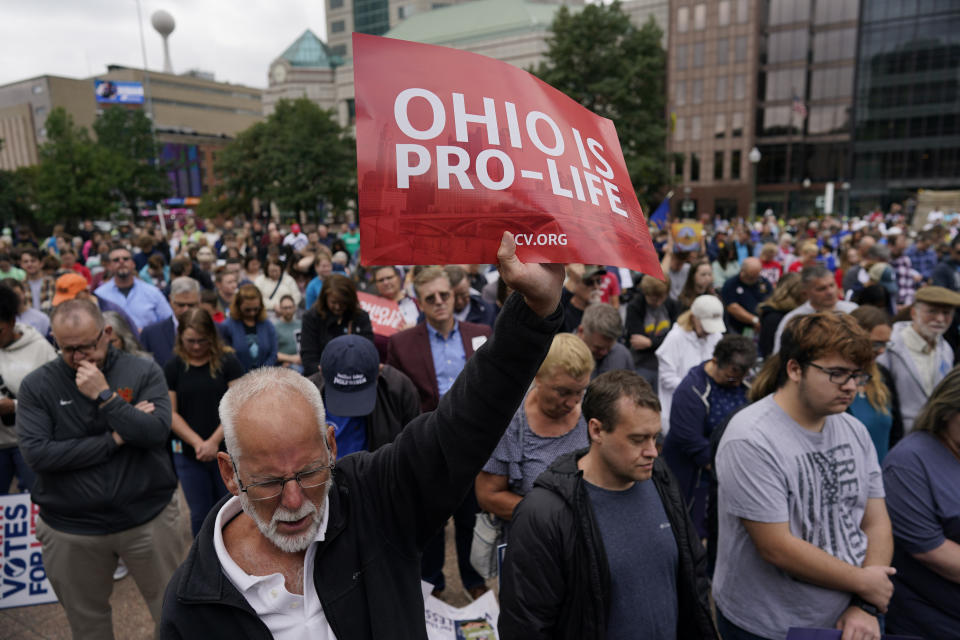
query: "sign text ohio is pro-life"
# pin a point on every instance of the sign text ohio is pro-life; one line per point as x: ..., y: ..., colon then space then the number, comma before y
x: 591, y: 181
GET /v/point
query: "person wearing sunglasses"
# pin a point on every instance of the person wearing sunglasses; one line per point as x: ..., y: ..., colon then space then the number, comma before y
x: 145, y: 304
x: 310, y: 545
x: 804, y: 538
x: 433, y: 354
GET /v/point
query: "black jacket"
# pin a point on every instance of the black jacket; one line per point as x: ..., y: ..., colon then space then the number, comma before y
x: 636, y: 311
x: 384, y: 505
x: 318, y: 331
x: 556, y: 580
x: 397, y: 404
x: 86, y: 484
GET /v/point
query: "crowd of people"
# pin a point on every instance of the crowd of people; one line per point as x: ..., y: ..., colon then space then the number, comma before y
x: 797, y: 377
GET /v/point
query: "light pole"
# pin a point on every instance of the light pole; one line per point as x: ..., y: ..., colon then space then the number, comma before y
x: 754, y: 157
x: 845, y: 187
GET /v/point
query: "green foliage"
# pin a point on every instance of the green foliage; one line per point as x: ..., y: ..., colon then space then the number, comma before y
x: 298, y: 158
x: 79, y: 178
x: 128, y: 156
x: 600, y: 59
x: 69, y: 182
x: 16, y: 189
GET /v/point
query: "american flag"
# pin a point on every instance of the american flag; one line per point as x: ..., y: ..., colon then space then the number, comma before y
x: 799, y: 107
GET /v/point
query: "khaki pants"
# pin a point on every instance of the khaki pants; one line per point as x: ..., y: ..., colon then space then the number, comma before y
x: 80, y: 568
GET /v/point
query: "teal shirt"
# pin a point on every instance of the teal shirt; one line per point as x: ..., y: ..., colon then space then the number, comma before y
x: 877, y: 423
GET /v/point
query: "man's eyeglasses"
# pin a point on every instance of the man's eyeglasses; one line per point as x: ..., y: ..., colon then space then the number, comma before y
x: 308, y: 479
x: 121, y: 259
x: 593, y: 282
x: 843, y: 376
x: 385, y: 279
x: 432, y: 299
x: 69, y: 350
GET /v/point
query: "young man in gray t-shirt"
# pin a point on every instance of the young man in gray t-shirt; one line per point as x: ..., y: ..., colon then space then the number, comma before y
x: 804, y: 538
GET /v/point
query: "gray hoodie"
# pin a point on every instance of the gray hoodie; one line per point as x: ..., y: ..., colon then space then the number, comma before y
x: 18, y: 359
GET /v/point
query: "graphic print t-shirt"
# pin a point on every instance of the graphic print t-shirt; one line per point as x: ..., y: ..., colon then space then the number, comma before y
x: 770, y: 469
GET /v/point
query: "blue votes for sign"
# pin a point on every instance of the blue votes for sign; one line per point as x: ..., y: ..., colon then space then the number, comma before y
x: 23, y: 580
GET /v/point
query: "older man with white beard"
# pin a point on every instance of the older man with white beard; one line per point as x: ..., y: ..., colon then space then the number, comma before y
x: 918, y: 356
x: 312, y: 548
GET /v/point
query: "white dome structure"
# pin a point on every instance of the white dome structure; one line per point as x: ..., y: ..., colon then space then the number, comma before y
x: 164, y: 24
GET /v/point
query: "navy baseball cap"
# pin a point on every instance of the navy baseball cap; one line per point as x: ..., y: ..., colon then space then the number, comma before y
x: 350, y: 366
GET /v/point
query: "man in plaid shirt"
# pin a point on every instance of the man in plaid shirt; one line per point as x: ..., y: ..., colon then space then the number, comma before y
x: 907, y: 276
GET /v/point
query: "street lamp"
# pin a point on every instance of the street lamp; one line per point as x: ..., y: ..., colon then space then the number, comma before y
x: 754, y: 158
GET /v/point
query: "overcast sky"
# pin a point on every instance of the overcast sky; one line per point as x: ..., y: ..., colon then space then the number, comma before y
x: 236, y: 40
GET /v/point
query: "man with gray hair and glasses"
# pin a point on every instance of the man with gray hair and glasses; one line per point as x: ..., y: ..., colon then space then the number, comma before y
x: 158, y: 338
x: 313, y: 547
x: 918, y: 356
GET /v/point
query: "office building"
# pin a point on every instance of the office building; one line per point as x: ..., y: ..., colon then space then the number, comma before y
x: 711, y: 78
x: 375, y: 17
x: 804, y: 103
x: 194, y: 116
x: 907, y: 102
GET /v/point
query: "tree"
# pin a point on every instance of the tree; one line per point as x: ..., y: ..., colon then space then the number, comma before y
x: 300, y: 158
x: 600, y: 59
x: 15, y: 193
x: 129, y: 156
x: 69, y: 183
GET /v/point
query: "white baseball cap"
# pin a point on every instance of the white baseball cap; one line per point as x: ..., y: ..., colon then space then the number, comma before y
x: 709, y: 311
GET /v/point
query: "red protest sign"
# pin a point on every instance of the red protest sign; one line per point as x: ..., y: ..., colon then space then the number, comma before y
x: 384, y: 314
x: 453, y: 148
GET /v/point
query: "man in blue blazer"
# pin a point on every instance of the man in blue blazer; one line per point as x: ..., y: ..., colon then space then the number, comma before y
x: 158, y: 338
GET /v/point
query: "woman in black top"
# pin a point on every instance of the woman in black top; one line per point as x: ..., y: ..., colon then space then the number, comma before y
x: 787, y: 296
x: 198, y: 376
x: 337, y: 312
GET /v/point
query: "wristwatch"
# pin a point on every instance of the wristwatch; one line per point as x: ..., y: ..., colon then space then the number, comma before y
x: 866, y: 606
x: 104, y: 396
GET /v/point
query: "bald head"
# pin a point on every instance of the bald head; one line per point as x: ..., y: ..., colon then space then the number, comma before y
x: 750, y: 270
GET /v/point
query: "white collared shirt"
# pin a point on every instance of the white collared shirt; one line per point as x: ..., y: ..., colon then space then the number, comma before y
x: 924, y: 356
x: 288, y: 616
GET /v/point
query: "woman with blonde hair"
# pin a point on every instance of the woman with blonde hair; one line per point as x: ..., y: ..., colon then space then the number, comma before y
x: 875, y: 405
x: 547, y: 425
x: 809, y: 252
x: 920, y: 477
x: 198, y: 375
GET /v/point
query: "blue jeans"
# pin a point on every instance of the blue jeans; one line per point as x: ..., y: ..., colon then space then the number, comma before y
x: 730, y: 631
x: 13, y: 464
x: 202, y: 485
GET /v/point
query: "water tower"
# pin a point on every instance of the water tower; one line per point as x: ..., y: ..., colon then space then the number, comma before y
x: 164, y: 24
